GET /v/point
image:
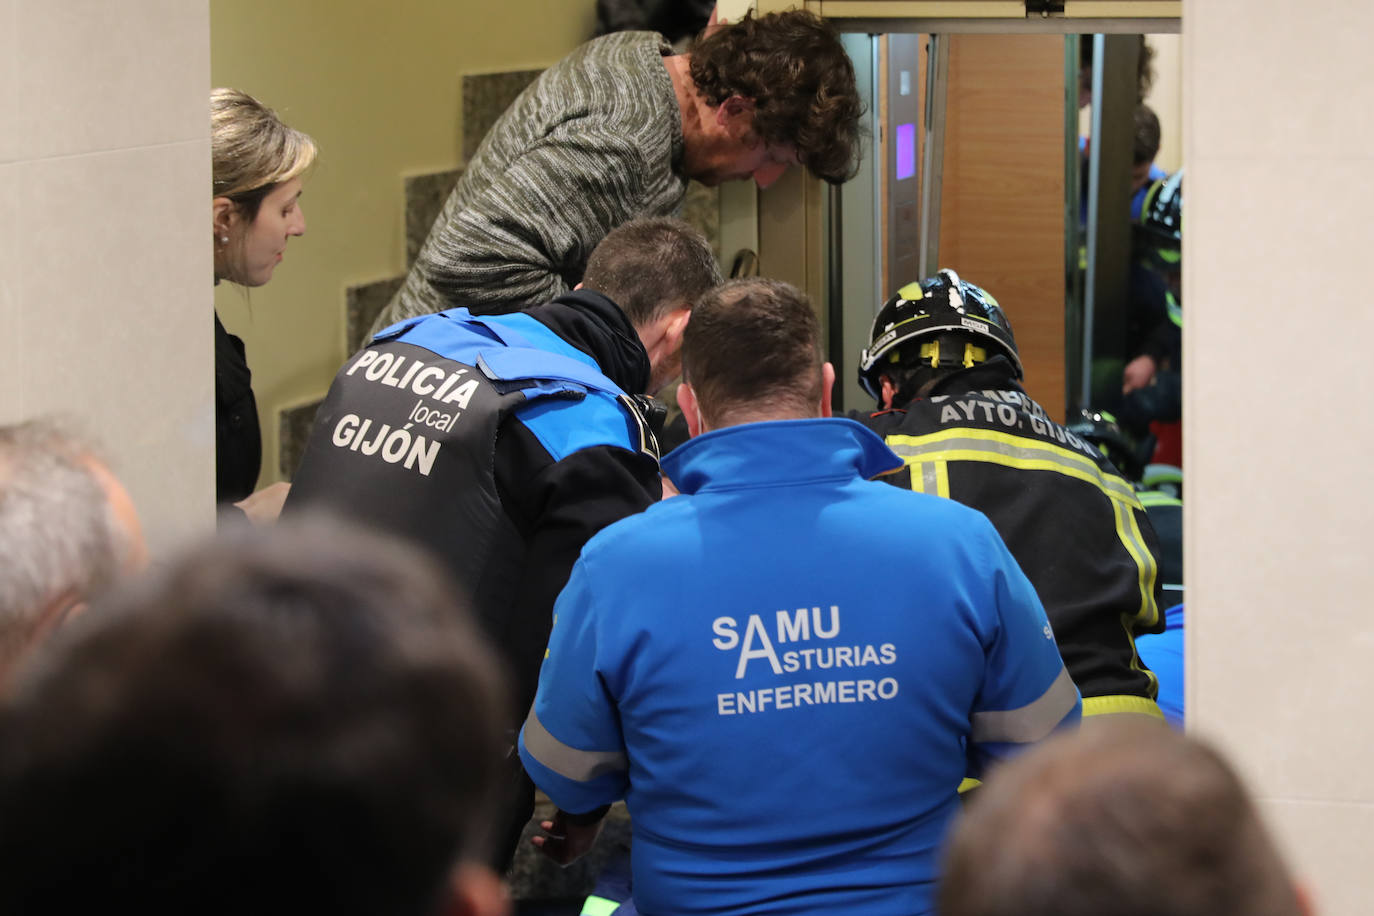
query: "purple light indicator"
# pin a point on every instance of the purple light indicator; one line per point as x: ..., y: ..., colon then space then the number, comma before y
x: 906, y: 151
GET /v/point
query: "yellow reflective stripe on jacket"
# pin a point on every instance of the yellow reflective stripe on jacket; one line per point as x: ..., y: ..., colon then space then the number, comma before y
x: 1010, y: 451
x: 1021, y: 453
x: 599, y: 906
x: 1147, y: 570
x: 930, y: 476
x: 1155, y: 498
x: 1121, y: 704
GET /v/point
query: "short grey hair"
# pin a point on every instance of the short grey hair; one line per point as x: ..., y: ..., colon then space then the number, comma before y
x: 58, y: 531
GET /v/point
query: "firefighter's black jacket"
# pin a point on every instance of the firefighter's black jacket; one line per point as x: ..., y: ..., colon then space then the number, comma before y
x: 1072, y: 522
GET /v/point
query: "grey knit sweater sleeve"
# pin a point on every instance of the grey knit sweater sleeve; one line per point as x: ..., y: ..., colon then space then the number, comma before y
x: 595, y: 141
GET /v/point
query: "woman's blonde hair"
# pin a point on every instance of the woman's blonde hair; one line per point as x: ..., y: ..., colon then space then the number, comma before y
x: 251, y: 150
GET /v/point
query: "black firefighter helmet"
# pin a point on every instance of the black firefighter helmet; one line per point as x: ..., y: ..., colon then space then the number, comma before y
x: 931, y: 323
x: 1101, y: 430
x: 1160, y: 231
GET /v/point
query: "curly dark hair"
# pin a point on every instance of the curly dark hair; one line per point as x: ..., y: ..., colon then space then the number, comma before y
x: 792, y: 65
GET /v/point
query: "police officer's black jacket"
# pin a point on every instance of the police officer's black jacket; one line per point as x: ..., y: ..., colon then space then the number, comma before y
x: 1071, y: 521
x: 468, y: 475
x: 558, y: 505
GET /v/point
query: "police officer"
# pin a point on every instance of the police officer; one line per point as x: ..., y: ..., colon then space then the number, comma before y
x: 503, y: 443
x: 943, y: 365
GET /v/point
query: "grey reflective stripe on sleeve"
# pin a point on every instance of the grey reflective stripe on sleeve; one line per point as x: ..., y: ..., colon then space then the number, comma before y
x: 1029, y: 723
x: 569, y: 762
x: 930, y: 478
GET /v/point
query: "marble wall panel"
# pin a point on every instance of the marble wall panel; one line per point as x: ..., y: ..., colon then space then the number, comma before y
x: 116, y: 318
x: 93, y: 75
x: 362, y: 304
x: 12, y: 402
x: 425, y: 196
x: 485, y: 97
x: 9, y: 67
x: 293, y: 432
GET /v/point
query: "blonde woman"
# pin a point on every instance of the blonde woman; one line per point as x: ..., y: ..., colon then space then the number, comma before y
x: 258, y: 163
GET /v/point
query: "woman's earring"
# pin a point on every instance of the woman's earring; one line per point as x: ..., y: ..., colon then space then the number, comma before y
x: 224, y: 240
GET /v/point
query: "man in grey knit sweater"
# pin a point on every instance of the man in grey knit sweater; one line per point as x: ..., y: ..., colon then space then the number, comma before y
x: 614, y: 131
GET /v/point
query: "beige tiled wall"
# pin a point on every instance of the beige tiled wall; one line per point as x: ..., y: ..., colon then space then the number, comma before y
x: 105, y: 270
x: 1280, y: 190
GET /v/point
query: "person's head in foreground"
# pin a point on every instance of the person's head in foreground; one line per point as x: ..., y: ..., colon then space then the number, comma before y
x: 68, y: 529
x: 288, y: 721
x: 751, y: 353
x: 1127, y: 819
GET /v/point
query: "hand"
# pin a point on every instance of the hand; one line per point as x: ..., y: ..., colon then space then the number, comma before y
x: 263, y: 507
x: 669, y: 489
x: 565, y: 842
x: 1139, y: 373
